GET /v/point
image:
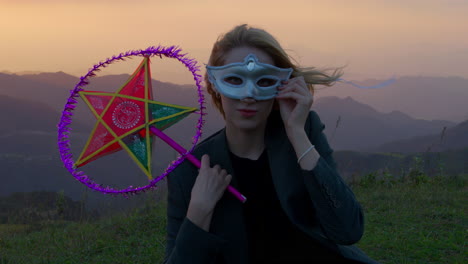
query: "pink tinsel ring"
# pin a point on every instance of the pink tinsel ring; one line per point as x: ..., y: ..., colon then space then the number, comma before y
x: 66, y: 119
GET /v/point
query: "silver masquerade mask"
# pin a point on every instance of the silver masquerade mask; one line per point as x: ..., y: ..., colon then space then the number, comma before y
x: 250, y: 78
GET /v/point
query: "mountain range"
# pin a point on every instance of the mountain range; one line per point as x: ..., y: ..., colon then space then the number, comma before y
x: 351, y: 125
x: 448, y: 139
x: 30, y: 107
x: 347, y: 120
x: 421, y: 97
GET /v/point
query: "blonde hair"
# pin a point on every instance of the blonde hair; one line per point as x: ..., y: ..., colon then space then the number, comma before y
x: 246, y: 36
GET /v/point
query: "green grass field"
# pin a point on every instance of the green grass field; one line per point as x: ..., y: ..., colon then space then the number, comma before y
x: 407, y: 221
x: 416, y: 222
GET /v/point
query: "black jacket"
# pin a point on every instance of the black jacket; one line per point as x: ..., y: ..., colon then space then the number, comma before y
x: 318, y: 202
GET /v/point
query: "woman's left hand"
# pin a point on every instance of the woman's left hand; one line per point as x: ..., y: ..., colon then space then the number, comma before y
x: 294, y: 99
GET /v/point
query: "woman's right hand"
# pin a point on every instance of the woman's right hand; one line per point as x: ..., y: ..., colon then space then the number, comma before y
x: 206, y: 192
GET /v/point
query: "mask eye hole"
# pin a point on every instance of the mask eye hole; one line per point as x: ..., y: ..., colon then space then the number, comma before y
x: 233, y: 80
x: 266, y: 82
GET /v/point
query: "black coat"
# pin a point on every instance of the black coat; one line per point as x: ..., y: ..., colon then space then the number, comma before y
x: 318, y: 202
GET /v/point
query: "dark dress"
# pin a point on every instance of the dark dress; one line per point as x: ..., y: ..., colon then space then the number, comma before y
x: 313, y: 211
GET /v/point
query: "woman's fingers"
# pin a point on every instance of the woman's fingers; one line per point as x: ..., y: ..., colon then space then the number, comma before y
x: 296, y: 84
x: 210, y: 184
x: 205, y: 161
x: 297, y: 90
x: 290, y: 95
x: 223, y: 173
x: 227, y: 180
x: 295, y: 100
x: 299, y: 98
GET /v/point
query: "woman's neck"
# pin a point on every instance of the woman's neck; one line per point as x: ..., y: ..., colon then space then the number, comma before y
x: 246, y: 143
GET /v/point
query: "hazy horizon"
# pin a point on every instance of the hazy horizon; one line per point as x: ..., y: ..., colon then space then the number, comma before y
x: 375, y: 39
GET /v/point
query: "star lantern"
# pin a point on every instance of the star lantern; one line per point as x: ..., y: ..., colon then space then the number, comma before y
x: 129, y: 119
x: 124, y: 119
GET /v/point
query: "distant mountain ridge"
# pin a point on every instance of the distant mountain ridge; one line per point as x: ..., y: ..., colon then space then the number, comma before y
x: 422, y: 97
x: 354, y: 126
x: 360, y: 127
x: 19, y: 114
x: 55, y: 78
x: 448, y: 139
x: 30, y: 107
x: 26, y: 115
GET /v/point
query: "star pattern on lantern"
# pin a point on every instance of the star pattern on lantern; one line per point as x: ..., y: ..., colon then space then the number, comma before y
x: 124, y: 119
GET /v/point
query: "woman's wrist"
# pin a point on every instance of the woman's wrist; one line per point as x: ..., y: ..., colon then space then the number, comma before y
x: 307, y: 156
x: 200, y: 216
x: 297, y: 136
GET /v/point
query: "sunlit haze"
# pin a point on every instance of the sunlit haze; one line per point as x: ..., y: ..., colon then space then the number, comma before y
x: 374, y: 38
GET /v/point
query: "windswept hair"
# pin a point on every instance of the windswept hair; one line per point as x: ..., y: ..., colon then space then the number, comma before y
x: 246, y: 36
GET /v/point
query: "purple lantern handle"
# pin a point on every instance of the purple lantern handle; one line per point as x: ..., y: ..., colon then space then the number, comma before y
x: 191, y: 158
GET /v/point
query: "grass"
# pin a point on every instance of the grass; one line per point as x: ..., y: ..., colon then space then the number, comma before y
x: 407, y: 221
x: 137, y: 237
x: 423, y: 222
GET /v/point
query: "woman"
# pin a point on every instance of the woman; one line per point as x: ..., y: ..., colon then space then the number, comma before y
x: 273, y: 151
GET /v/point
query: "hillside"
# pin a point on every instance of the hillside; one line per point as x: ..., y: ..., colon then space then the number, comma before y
x: 25, y: 173
x: 34, y: 207
x: 422, y: 97
x: 18, y: 114
x: 351, y: 125
x: 357, y: 120
x: 29, y: 160
x: 448, y: 139
x: 351, y: 164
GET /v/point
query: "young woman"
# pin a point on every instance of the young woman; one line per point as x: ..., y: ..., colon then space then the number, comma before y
x: 274, y: 152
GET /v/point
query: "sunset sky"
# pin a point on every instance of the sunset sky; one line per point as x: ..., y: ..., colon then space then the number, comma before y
x: 375, y: 38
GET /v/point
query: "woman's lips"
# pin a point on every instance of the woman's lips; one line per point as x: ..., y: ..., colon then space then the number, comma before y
x: 247, y: 112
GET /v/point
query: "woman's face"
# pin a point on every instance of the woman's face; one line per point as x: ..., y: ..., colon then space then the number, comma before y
x: 246, y: 114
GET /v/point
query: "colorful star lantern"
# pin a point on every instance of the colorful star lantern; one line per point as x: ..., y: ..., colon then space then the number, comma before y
x: 124, y: 119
